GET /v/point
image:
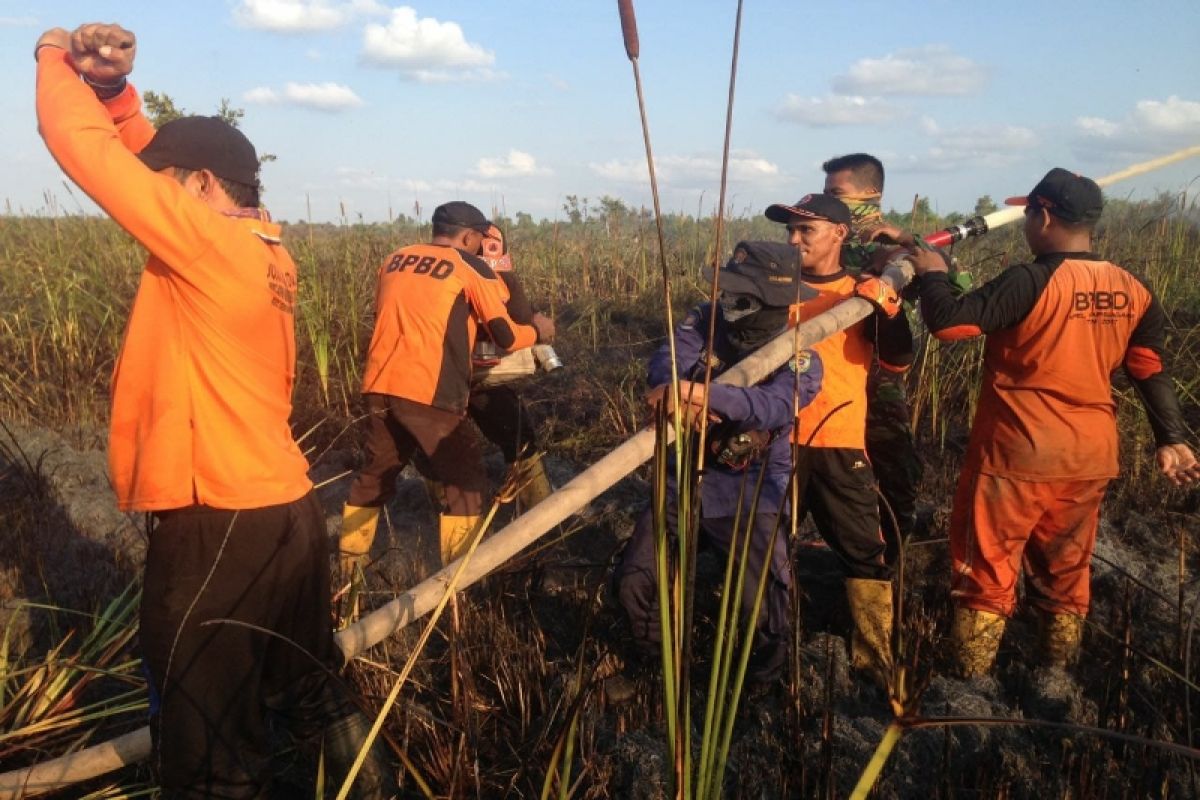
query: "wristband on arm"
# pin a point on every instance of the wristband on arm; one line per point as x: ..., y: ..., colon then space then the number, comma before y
x: 38, y: 49
x: 105, y: 91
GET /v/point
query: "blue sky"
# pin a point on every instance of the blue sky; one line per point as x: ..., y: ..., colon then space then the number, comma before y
x: 371, y: 105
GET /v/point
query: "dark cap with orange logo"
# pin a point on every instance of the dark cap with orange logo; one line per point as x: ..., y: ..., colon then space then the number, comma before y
x: 1070, y: 197
x: 812, y: 206
x: 769, y: 271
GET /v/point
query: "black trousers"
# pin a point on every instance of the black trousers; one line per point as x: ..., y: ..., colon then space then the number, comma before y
x: 893, y: 452
x: 837, y: 486
x: 214, y: 683
x: 503, y: 419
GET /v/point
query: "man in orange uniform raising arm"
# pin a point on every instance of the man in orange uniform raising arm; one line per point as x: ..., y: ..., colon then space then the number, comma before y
x: 418, y: 377
x: 1043, y: 445
x: 199, y: 433
x: 837, y: 485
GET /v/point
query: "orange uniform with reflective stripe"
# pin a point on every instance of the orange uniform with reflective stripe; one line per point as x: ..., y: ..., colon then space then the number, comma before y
x: 1046, y: 410
x: 846, y: 356
x: 202, y: 385
x: 430, y: 300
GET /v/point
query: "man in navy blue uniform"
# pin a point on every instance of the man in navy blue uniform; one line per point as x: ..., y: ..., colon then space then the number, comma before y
x: 749, y: 433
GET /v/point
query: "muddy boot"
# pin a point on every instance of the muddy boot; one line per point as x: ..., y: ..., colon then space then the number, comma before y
x: 535, y: 484
x: 358, y: 532
x: 871, y: 641
x: 376, y: 779
x: 976, y: 639
x: 454, y: 533
x: 1059, y: 638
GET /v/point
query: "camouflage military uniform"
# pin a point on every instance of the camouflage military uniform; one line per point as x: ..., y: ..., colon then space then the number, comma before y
x: 890, y: 443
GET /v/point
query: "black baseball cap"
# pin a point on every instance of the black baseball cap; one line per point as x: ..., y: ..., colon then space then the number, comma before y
x: 1070, y: 197
x: 769, y: 271
x: 203, y: 143
x: 463, y: 215
x: 811, y: 206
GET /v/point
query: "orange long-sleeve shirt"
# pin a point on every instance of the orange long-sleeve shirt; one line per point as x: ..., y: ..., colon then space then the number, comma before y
x: 847, y: 358
x: 201, y: 392
x: 429, y: 304
x: 1056, y: 330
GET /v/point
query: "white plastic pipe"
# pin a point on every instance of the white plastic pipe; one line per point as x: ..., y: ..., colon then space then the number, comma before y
x: 491, y: 553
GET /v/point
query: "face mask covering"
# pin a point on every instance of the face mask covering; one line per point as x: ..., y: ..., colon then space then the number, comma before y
x: 737, y: 306
x: 865, y: 211
x: 751, y: 329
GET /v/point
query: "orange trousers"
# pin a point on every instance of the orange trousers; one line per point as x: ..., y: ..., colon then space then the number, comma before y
x: 998, y: 523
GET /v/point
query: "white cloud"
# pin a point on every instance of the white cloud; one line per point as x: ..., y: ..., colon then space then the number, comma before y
x: 458, y: 188
x: 836, y: 110
x: 558, y: 83
x: 302, y: 16
x: 951, y: 149
x: 18, y: 22
x: 1097, y: 126
x: 1152, y: 126
x: 326, y: 96
x: 360, y: 178
x: 1172, y: 116
x: 516, y: 164
x: 930, y: 70
x: 688, y: 170
x: 622, y: 171
x: 261, y: 95
x: 425, y: 49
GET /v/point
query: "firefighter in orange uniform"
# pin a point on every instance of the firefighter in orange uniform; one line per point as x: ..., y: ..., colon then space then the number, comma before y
x: 430, y: 302
x: 1043, y: 445
x: 199, y: 435
x: 837, y: 485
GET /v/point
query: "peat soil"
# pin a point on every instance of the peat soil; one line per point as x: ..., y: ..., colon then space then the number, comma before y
x: 526, y: 635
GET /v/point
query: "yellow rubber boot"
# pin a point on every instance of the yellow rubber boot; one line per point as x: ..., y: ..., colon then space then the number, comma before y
x: 358, y: 532
x: 1059, y: 638
x: 535, y: 484
x: 871, y: 641
x: 976, y: 638
x: 455, y: 534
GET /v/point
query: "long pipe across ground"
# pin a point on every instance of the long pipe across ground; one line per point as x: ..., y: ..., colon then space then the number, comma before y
x: 414, y: 603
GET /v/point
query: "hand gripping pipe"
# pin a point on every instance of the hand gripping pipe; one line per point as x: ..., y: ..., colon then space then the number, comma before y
x: 521, y: 532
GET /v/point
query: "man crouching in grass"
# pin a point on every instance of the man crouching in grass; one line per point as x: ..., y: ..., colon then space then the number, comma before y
x: 749, y: 437
x: 199, y: 434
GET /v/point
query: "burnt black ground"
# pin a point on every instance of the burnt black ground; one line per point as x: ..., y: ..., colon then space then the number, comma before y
x: 813, y: 742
